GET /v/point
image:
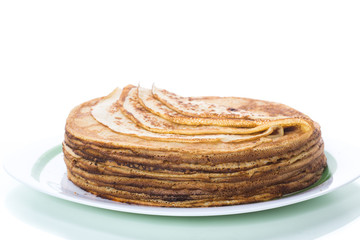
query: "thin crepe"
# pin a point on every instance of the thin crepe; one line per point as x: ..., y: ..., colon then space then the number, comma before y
x: 132, y: 108
x: 110, y: 112
x: 258, y: 115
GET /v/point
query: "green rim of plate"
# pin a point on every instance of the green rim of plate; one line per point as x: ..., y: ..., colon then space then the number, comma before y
x: 43, y: 160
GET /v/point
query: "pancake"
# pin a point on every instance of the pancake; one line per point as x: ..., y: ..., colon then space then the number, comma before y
x: 210, y: 111
x: 194, y: 107
x: 131, y: 108
x: 120, y: 147
x: 110, y: 112
x: 148, y: 100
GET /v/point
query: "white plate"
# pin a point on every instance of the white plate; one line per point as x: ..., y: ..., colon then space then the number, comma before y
x: 41, y: 167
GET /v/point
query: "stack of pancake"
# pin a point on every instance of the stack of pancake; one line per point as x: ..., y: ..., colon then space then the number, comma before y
x: 153, y: 147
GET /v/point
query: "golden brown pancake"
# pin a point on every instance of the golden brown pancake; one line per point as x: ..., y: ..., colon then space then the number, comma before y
x: 130, y: 106
x: 121, y: 148
x: 110, y: 112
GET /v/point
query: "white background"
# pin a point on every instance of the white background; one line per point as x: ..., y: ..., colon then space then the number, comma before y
x: 57, y: 54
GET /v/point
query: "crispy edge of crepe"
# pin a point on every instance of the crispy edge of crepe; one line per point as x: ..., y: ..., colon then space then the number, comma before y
x: 235, y: 163
x: 263, y: 172
x: 95, y: 172
x: 260, y: 194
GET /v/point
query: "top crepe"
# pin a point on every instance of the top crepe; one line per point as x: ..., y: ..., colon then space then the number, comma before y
x: 138, y: 112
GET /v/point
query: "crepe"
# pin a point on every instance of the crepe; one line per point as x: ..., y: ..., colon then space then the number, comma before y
x: 110, y: 112
x: 121, y: 148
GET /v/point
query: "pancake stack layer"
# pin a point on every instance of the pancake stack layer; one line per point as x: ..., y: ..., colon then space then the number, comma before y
x: 155, y: 148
